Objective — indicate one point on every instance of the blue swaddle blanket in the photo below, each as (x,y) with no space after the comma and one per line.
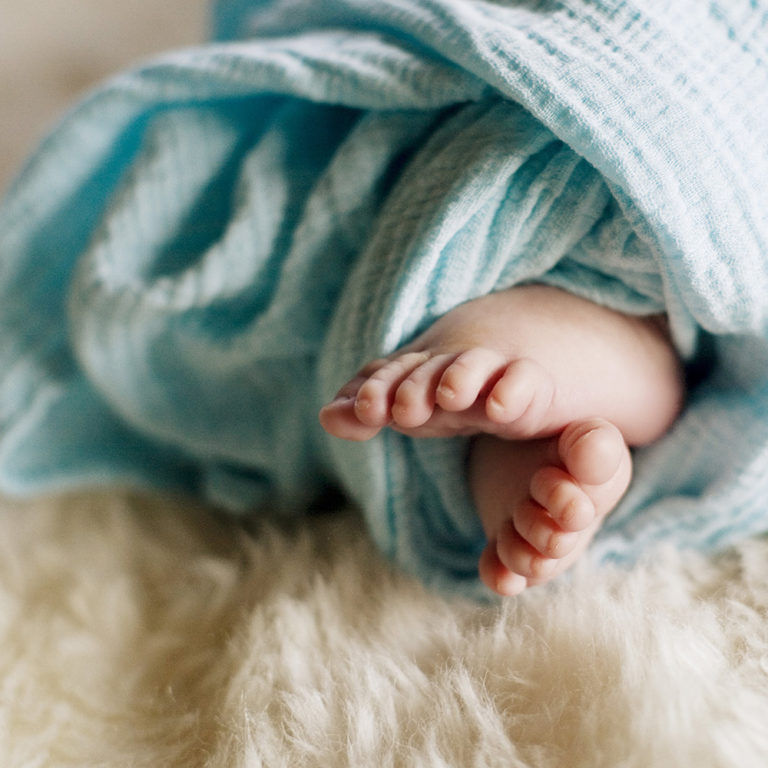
(209,245)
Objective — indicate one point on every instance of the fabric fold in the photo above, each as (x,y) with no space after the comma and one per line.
(208,245)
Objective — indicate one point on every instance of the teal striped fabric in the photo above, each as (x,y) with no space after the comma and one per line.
(208,245)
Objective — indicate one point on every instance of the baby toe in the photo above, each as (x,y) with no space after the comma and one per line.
(565,502)
(535,526)
(522,395)
(467,377)
(520,557)
(592,450)
(338,418)
(496,576)
(375,395)
(414,399)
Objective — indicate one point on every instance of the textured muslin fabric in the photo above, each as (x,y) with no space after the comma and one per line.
(208,245)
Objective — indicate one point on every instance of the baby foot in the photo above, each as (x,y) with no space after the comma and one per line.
(527,370)
(427,393)
(519,364)
(542,501)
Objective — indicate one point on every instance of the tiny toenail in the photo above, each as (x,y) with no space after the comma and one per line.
(446,391)
(496,404)
(554,545)
(559,544)
(573,513)
(570,512)
(399,411)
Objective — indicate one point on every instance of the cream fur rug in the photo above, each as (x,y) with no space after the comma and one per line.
(143,631)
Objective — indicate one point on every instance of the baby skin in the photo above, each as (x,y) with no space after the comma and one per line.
(555,390)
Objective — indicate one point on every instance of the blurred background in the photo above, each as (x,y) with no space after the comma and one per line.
(53,50)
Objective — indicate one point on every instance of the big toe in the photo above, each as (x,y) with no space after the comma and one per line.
(592,450)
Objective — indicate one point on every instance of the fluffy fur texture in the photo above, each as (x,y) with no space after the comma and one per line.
(145,632)
(138,631)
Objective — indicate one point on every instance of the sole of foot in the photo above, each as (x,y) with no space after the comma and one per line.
(542,501)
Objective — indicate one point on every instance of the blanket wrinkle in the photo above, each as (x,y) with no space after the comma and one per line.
(209,243)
